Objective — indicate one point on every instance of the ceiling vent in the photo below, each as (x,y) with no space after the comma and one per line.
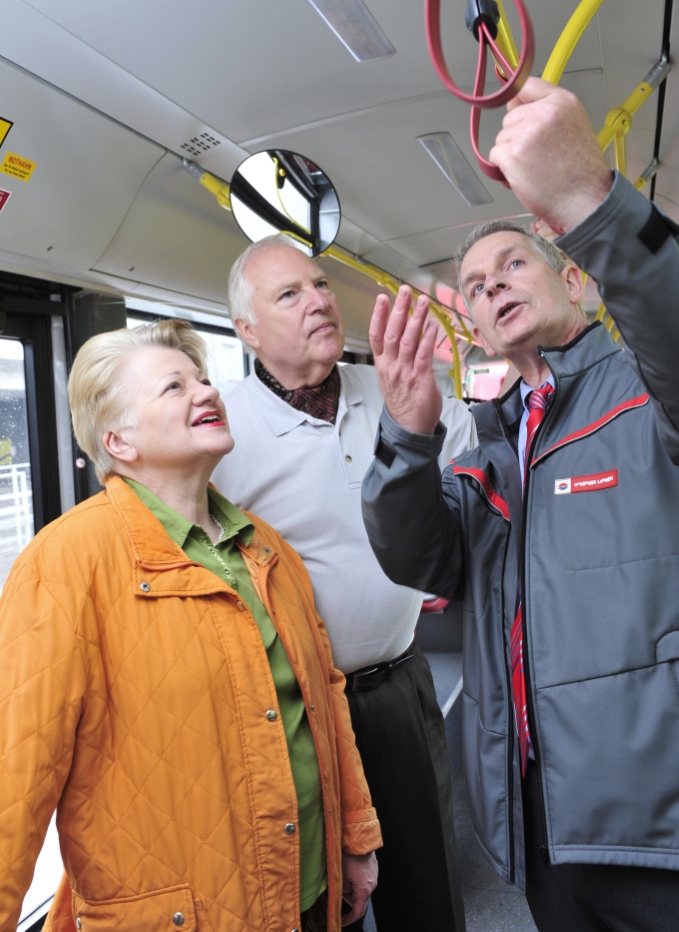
(199,145)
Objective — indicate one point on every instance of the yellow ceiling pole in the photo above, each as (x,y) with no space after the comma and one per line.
(619,121)
(505,41)
(442,314)
(220,189)
(568,39)
(620,154)
(456,372)
(385,280)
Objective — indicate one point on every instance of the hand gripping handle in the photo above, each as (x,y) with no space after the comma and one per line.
(478,100)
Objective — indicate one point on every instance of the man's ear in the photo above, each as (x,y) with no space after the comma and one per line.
(119,447)
(476,333)
(572,275)
(247,333)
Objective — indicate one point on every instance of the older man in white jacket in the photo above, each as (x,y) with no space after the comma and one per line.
(305,430)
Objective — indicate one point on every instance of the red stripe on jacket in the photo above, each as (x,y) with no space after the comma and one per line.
(595,425)
(496,500)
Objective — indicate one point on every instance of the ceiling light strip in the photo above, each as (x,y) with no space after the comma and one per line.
(354,26)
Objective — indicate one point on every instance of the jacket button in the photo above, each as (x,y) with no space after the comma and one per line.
(145,587)
(178,919)
(312,707)
(271,715)
(78,923)
(347,458)
(289,828)
(240,606)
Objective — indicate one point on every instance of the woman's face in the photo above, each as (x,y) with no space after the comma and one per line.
(179,419)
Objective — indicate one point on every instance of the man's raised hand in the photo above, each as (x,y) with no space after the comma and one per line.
(549,154)
(403,347)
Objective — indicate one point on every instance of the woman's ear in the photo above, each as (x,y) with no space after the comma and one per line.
(119,447)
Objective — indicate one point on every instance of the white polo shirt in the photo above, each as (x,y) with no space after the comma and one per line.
(303,475)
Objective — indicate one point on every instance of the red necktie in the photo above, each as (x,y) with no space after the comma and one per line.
(537,406)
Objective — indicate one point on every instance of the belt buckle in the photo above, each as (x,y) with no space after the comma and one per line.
(361,681)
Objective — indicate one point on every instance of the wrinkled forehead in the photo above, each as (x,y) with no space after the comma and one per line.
(145,365)
(492,249)
(279,266)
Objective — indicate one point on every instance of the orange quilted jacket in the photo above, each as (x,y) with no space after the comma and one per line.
(133,691)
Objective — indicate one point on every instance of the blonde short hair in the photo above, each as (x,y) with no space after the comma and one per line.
(99,400)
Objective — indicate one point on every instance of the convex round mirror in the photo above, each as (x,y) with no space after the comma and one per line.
(277,191)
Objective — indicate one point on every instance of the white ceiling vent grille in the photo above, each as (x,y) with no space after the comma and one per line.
(198,145)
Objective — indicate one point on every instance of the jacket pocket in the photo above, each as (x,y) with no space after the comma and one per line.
(667,651)
(167,910)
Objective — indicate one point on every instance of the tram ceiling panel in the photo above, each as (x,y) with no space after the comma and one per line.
(42,47)
(390,187)
(174,236)
(251,67)
(87,172)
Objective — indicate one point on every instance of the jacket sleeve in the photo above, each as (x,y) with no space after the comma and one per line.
(414,530)
(630,249)
(359,825)
(42,688)
(460,426)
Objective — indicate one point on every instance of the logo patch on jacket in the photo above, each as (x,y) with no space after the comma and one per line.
(593,483)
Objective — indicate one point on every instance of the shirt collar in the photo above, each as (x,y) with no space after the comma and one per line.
(526,389)
(235,523)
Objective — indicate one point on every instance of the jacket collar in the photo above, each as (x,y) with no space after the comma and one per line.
(591,346)
(153,547)
(497,421)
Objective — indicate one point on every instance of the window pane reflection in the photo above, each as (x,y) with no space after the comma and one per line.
(16,495)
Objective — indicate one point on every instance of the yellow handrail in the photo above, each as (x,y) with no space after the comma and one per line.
(442,314)
(220,189)
(619,121)
(505,40)
(568,39)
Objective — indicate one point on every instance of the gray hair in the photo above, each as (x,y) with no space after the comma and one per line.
(553,256)
(240,289)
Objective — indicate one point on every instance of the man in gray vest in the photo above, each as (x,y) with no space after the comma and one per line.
(304,431)
(562,526)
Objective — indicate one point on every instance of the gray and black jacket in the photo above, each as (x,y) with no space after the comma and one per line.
(596,539)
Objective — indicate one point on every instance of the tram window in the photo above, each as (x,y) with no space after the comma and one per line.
(227,362)
(16,486)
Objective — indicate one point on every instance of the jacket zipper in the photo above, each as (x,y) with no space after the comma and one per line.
(508,687)
(544,849)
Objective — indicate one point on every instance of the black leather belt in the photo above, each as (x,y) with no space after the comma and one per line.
(370,677)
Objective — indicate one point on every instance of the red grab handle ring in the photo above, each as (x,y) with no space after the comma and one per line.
(479,101)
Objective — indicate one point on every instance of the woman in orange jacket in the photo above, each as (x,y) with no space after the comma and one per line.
(167,685)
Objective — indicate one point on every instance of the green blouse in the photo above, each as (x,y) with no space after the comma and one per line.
(224,559)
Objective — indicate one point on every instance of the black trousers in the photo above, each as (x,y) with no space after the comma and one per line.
(401,739)
(592,897)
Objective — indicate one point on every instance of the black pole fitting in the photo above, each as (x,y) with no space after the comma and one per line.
(482,11)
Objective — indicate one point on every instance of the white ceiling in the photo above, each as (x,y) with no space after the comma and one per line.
(255,74)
